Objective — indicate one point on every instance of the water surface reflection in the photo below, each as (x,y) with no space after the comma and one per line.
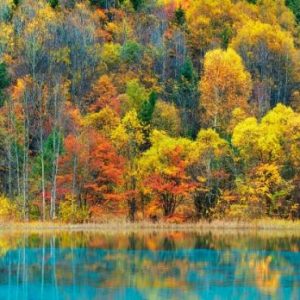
(149,265)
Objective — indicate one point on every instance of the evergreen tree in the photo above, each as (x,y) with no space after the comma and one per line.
(4,81)
(4,77)
(185,95)
(53,3)
(179,16)
(145,117)
(294,5)
(147,109)
(137,4)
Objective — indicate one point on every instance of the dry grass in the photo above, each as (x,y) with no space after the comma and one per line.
(123,225)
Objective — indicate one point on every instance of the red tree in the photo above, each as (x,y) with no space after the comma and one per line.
(91,168)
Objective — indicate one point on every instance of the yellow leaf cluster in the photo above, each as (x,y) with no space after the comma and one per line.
(225,85)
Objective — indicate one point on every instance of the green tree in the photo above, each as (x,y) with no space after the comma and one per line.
(147,109)
(180,16)
(294,5)
(135,97)
(185,95)
(131,52)
(53,3)
(137,4)
(4,81)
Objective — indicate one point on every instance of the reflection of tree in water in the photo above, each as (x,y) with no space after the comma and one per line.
(132,241)
(154,240)
(261,269)
(169,244)
(147,260)
(204,241)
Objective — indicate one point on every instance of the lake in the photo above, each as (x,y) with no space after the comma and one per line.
(149,265)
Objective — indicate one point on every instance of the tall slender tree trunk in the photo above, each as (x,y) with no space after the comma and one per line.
(56,150)
(25,160)
(9,153)
(41,125)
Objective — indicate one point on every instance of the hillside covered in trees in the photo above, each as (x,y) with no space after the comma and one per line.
(149,109)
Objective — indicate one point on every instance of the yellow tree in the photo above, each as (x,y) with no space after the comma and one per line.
(269,152)
(128,137)
(105,121)
(225,85)
(276,13)
(263,191)
(210,24)
(269,55)
(271,140)
(206,166)
(166,117)
(164,170)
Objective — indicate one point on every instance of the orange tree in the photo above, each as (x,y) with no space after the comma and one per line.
(91,169)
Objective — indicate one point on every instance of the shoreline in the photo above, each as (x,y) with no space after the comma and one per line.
(121,225)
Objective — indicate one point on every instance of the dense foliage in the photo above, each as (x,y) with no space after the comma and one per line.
(149,109)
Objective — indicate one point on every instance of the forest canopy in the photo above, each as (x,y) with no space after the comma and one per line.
(153,110)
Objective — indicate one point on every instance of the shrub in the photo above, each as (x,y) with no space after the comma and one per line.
(8,209)
(71,212)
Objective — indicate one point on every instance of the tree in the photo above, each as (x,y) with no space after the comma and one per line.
(128,138)
(209,22)
(294,5)
(180,16)
(264,192)
(186,96)
(53,3)
(4,80)
(267,151)
(269,55)
(137,4)
(111,54)
(6,10)
(131,52)
(4,77)
(101,107)
(6,40)
(265,142)
(136,95)
(166,117)
(225,85)
(103,94)
(276,13)
(147,109)
(105,121)
(207,167)
(91,169)
(105,3)
(164,168)
(145,117)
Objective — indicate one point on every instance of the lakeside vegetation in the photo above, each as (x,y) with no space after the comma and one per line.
(273,226)
(151,111)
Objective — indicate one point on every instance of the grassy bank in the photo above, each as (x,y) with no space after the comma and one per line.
(122,225)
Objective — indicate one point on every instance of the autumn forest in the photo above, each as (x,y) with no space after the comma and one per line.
(157,110)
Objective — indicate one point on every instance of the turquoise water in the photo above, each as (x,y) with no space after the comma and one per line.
(149,266)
